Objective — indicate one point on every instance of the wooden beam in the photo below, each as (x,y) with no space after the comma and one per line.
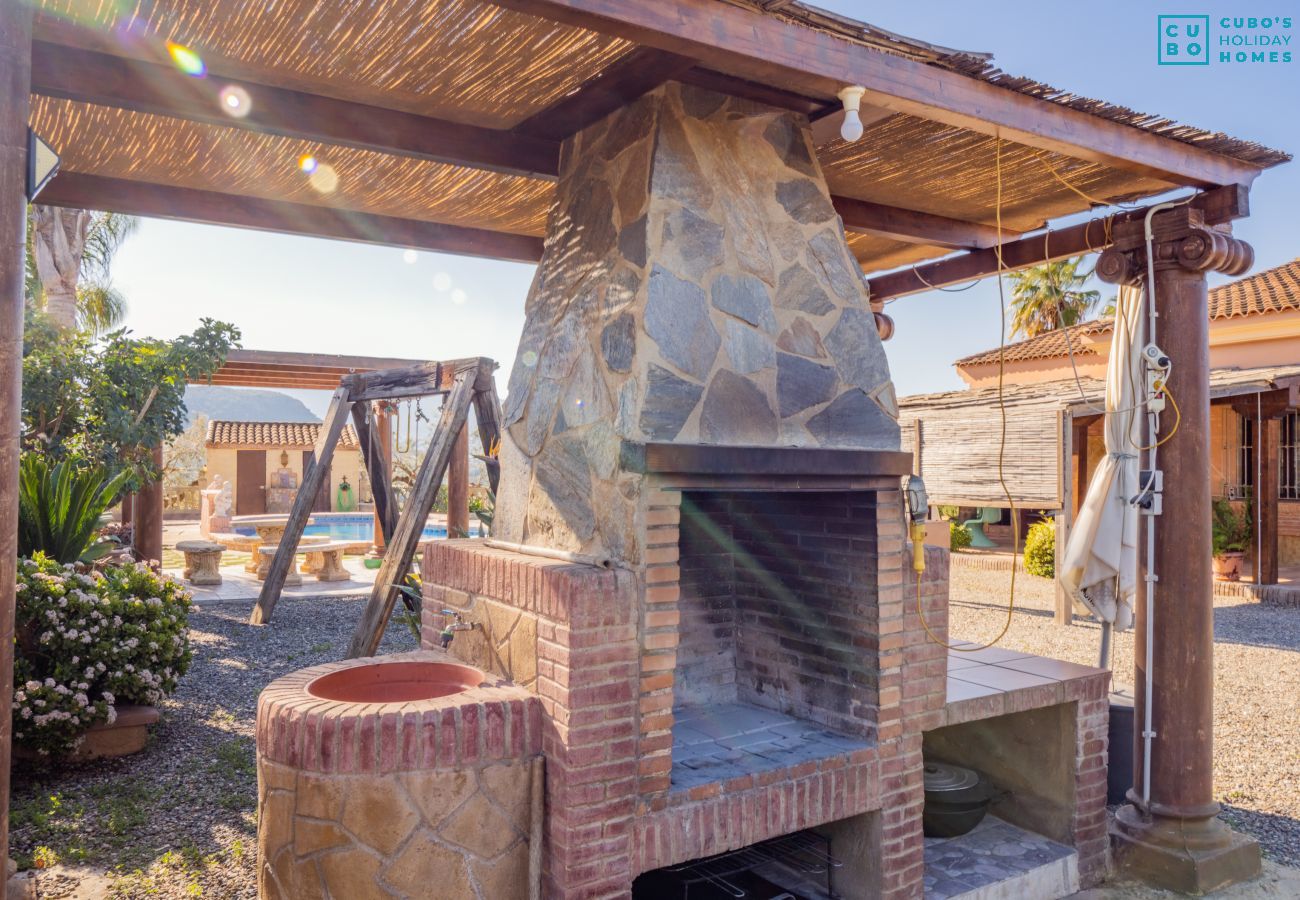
(91,77)
(812,107)
(312,481)
(141,198)
(770,50)
(617,85)
(375,457)
(410,525)
(15,69)
(1219,205)
(913,227)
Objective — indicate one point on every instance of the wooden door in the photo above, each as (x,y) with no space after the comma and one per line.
(250,482)
(322,503)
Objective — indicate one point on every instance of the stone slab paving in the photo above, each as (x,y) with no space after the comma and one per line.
(238,585)
(996,860)
(726,740)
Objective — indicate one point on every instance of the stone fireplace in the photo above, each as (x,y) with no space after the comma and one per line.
(701,426)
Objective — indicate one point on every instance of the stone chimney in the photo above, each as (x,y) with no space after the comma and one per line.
(696,288)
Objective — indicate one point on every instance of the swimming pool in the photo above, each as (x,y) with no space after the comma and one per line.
(345,527)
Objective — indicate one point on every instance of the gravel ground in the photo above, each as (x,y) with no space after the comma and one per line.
(1256,690)
(178,819)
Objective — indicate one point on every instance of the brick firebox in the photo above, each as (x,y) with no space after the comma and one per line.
(604,649)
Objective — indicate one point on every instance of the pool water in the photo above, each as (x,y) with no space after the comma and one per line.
(342,527)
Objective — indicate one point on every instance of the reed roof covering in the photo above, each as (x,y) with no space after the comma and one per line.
(474,63)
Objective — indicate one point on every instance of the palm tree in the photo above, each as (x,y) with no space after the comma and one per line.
(69,254)
(1047,297)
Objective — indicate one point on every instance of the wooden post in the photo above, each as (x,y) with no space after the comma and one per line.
(377,456)
(1174,838)
(401,550)
(1268,431)
(458,486)
(128,508)
(487,413)
(15,87)
(326,440)
(1064,614)
(147,538)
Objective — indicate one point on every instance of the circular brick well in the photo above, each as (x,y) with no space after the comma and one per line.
(382,777)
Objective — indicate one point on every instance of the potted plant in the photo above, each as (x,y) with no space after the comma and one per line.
(1230,536)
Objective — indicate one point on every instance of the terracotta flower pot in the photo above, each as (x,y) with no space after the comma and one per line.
(1227,566)
(128,734)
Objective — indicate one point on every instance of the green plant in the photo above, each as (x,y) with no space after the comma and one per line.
(484,508)
(1040,549)
(59,508)
(949,512)
(1230,531)
(85,641)
(110,401)
(959,536)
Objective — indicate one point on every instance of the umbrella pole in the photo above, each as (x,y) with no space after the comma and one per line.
(1103,660)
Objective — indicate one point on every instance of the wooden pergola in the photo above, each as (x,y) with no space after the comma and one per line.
(440,126)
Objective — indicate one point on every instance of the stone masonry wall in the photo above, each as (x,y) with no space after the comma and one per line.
(696,287)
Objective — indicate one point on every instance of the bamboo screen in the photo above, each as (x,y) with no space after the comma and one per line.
(122,144)
(454,59)
(928,166)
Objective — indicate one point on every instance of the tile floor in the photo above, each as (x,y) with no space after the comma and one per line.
(238,585)
(994,670)
(726,740)
(971,865)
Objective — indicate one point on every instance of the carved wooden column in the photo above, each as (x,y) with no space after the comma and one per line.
(15,86)
(1176,840)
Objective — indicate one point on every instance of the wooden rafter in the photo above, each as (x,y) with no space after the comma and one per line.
(914,227)
(1219,206)
(139,198)
(107,80)
(638,73)
(767,49)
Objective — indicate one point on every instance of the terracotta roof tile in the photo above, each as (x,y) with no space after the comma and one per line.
(272,434)
(1273,290)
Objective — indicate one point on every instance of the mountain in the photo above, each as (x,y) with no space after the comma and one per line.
(244,405)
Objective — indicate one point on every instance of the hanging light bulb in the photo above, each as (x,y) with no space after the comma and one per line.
(851,97)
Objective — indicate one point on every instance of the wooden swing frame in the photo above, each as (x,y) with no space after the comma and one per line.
(464,383)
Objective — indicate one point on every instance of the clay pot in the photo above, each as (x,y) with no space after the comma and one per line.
(128,734)
(1227,566)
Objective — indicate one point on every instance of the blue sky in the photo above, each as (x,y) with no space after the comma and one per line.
(289,293)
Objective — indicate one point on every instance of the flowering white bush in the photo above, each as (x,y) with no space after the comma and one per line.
(88,640)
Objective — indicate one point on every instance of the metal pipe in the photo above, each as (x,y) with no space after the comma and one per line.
(603,562)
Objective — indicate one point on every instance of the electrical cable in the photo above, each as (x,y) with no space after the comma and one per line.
(1002,447)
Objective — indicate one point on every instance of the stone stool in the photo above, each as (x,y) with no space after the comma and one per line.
(202,561)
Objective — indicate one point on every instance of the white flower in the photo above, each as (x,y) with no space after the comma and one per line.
(19,696)
(49,682)
(33,685)
(108,698)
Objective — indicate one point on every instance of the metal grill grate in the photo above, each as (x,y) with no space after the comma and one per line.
(805,853)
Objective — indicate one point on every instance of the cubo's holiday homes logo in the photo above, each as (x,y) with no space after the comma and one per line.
(1184,40)
(1195,40)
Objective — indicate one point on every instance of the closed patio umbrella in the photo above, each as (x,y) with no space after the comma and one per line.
(1100,565)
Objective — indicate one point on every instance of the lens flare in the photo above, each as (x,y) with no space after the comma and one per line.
(307,163)
(442,282)
(235,101)
(459,297)
(409,257)
(186,60)
(324,180)
(529,358)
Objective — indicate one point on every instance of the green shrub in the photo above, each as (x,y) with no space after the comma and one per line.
(950,512)
(1040,549)
(59,508)
(1229,530)
(958,536)
(86,641)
